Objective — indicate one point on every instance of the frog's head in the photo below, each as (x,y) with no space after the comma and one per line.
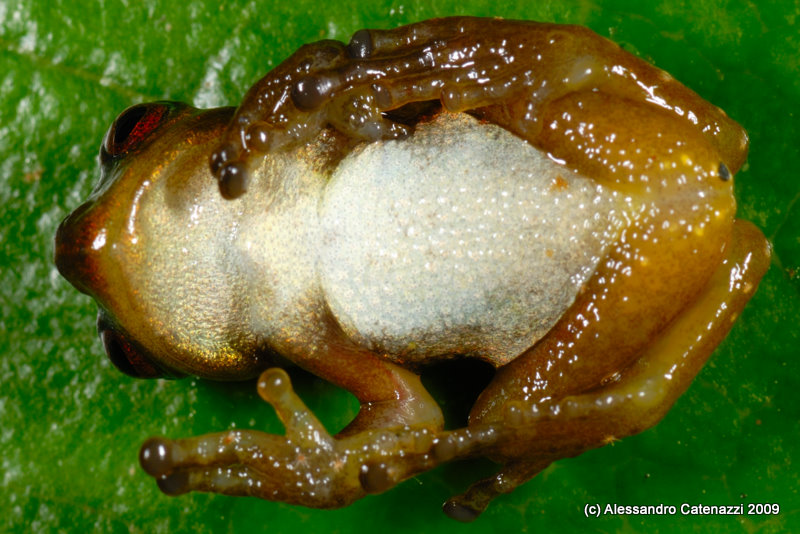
(149,245)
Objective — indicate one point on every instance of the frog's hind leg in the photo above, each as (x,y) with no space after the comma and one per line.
(502,70)
(628,403)
(469,505)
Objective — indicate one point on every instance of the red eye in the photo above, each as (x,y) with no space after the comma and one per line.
(128,356)
(133,126)
(125,358)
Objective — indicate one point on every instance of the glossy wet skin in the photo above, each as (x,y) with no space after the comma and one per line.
(117,255)
(191,283)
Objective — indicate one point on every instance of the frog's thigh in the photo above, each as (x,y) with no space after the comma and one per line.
(654,270)
(534,436)
(646,390)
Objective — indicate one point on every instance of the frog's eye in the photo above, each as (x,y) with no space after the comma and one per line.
(124,358)
(128,356)
(133,126)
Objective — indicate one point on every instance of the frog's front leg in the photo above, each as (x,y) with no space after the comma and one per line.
(388,441)
(389,395)
(628,403)
(307,466)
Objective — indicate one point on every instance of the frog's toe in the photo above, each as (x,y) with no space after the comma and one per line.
(234,179)
(378,477)
(470,504)
(460,511)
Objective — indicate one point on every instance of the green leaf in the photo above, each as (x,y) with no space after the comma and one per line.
(71,425)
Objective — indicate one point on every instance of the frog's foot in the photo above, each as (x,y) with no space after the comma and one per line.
(307,466)
(352,87)
(505,71)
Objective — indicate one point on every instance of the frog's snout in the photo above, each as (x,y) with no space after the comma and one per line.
(79,248)
(73,248)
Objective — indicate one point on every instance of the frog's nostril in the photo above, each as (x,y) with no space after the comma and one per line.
(724,173)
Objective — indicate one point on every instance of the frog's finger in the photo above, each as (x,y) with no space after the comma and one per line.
(325,474)
(160,457)
(260,465)
(252,463)
(301,425)
(306,466)
(238,480)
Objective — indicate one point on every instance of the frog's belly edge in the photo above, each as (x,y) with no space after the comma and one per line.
(462,239)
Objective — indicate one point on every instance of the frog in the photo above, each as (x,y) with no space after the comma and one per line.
(525,194)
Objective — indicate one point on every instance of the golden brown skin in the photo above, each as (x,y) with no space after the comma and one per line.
(161,252)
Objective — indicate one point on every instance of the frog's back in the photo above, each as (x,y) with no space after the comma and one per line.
(461,239)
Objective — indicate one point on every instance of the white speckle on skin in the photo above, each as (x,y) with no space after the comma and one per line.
(410,254)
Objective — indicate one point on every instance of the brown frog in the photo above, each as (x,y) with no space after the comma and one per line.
(525,194)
